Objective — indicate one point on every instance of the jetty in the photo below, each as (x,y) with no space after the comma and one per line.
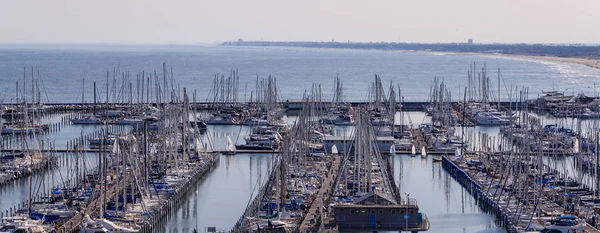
(315,218)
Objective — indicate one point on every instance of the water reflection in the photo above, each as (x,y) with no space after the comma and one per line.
(449,207)
(223,196)
(15,192)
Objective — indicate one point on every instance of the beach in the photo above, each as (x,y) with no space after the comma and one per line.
(593,63)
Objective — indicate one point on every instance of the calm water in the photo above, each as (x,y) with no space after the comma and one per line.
(223,196)
(449,207)
(63,69)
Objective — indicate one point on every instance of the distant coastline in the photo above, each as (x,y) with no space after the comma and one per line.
(588,55)
(590,62)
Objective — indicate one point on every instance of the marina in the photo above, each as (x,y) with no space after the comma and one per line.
(149,153)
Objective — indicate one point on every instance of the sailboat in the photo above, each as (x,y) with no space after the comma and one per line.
(103,225)
(229,147)
(458,152)
(423,153)
(576,146)
(413,151)
(21,224)
(334,150)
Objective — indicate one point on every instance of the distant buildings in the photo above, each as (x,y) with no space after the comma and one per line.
(470,41)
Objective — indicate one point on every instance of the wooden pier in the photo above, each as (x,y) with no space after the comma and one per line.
(74,223)
(310,221)
(289,104)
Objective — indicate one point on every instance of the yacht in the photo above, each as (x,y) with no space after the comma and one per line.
(341,120)
(262,138)
(492,118)
(20,224)
(129,121)
(222,120)
(49,215)
(20,130)
(103,225)
(255,122)
(86,120)
(565,224)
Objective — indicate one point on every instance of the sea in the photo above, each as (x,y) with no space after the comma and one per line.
(67,74)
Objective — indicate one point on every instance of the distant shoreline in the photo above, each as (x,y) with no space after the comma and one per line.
(592,63)
(588,55)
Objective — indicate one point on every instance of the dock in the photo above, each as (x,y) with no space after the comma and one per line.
(310,222)
(591,229)
(495,203)
(461,119)
(74,223)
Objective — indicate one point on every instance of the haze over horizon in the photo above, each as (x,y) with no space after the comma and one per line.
(196,22)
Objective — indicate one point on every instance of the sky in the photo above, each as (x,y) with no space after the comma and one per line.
(210,21)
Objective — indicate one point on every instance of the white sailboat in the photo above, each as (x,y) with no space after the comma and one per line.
(104,225)
(576,146)
(334,150)
(423,153)
(229,147)
(414,150)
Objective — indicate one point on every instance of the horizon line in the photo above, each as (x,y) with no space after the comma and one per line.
(275,41)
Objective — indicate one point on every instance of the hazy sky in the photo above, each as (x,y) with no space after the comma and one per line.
(175,21)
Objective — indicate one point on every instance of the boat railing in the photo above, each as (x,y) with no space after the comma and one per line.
(408,201)
(421,225)
(424,221)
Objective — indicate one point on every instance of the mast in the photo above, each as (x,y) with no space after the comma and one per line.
(101,166)
(32,87)
(597,162)
(498,89)
(94,108)
(107,74)
(83,92)
(146,150)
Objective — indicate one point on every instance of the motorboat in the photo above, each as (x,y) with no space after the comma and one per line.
(492,118)
(86,120)
(255,122)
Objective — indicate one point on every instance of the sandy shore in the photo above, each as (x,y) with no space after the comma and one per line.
(593,63)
